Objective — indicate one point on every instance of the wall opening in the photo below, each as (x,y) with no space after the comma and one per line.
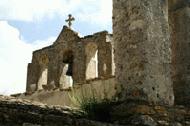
(66,78)
(91,52)
(43,71)
(43,79)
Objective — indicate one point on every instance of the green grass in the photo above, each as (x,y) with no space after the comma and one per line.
(92,107)
(97,110)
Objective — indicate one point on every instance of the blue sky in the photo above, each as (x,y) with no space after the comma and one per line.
(27,25)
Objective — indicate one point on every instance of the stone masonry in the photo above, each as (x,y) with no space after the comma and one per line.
(71,60)
(151,51)
(179,13)
(142,51)
(151,48)
(17,112)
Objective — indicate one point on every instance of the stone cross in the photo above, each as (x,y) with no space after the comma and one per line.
(69,20)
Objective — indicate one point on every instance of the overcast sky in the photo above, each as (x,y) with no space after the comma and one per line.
(27,25)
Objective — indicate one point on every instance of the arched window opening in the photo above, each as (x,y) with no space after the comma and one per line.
(43,79)
(66,79)
(91,52)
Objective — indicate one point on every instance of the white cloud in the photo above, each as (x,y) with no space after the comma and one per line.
(102,14)
(14,56)
(94,11)
(30,10)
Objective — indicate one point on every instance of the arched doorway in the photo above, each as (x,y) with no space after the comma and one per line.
(91,52)
(66,77)
(43,78)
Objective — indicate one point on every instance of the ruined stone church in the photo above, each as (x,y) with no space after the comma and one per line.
(149,82)
(150,47)
(71,60)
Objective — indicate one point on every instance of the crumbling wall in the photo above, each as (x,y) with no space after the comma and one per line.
(104,53)
(67,54)
(38,70)
(46,69)
(100,89)
(17,112)
(32,74)
(70,60)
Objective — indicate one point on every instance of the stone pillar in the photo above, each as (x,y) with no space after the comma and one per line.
(79,64)
(142,51)
(180,36)
(104,56)
(32,77)
(105,61)
(53,69)
(53,74)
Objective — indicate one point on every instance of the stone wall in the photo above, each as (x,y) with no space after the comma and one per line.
(17,112)
(142,51)
(140,114)
(148,66)
(104,53)
(69,60)
(180,35)
(95,88)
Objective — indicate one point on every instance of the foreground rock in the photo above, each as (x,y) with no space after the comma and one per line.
(142,114)
(17,112)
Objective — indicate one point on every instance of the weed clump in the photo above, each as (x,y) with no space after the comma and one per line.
(99,110)
(92,107)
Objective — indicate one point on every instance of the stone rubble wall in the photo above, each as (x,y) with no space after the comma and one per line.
(46,69)
(144,55)
(17,112)
(103,88)
(141,114)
